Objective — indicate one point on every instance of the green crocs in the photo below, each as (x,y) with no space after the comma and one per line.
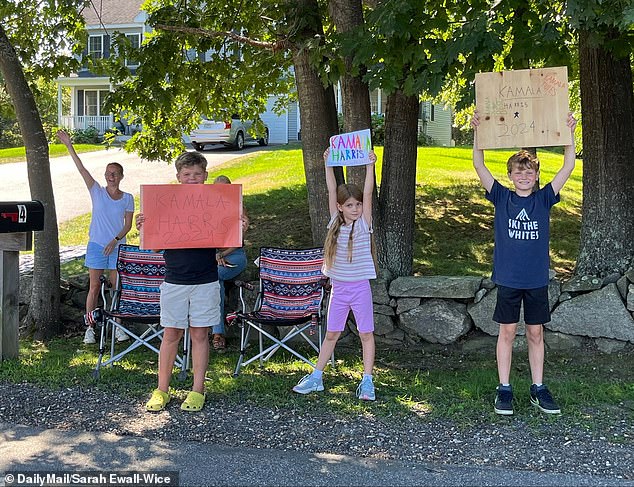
(193,402)
(158,401)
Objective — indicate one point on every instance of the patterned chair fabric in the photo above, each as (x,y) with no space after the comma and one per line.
(141,272)
(290,299)
(291,282)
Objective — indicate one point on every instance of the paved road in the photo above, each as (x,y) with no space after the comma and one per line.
(27,449)
(71,196)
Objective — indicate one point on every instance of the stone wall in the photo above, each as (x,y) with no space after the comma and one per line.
(415,311)
(449,310)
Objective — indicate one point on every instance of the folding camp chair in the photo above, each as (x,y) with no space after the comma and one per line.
(135,299)
(290,299)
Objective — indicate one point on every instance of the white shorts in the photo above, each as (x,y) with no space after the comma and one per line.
(196,305)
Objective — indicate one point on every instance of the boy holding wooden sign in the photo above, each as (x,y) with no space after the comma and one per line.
(190,297)
(521,261)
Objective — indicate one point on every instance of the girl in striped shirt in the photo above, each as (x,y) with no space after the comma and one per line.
(349,263)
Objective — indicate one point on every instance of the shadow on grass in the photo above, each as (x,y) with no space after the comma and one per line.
(454,233)
(435,384)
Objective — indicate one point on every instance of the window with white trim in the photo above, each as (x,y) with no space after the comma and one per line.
(93,102)
(95,47)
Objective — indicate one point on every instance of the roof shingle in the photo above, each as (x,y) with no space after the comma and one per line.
(111,11)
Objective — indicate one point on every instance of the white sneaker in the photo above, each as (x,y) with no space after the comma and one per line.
(309,384)
(89,336)
(121,336)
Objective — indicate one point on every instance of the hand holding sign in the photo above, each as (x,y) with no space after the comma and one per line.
(350,149)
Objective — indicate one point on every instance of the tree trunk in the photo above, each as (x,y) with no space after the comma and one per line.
(347,15)
(42,320)
(398,185)
(319,122)
(607,107)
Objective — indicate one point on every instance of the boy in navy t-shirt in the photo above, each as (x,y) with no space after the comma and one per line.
(521,262)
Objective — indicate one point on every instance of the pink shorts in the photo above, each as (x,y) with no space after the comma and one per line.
(351,296)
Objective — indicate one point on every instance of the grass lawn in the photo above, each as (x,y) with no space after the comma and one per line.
(18,154)
(454,236)
(454,222)
(431,383)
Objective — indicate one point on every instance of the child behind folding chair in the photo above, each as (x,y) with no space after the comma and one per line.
(350,272)
(190,297)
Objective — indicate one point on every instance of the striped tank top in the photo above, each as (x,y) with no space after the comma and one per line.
(362,265)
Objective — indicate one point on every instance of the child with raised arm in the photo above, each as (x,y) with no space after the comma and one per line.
(521,262)
(349,262)
(190,297)
(110,222)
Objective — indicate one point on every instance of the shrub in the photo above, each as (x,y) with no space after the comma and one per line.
(462,136)
(378,129)
(9,134)
(85,136)
(425,140)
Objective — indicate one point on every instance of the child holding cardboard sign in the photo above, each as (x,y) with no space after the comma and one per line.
(190,297)
(349,263)
(521,262)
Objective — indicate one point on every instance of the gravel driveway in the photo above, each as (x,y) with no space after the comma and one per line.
(555,445)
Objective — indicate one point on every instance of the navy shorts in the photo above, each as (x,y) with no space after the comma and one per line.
(536,306)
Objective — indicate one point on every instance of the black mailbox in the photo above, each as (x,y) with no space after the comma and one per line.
(21,216)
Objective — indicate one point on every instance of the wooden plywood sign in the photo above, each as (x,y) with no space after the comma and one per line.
(191,216)
(523,108)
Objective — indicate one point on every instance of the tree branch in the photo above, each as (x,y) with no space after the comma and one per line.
(276,46)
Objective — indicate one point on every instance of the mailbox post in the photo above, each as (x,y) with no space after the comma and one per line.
(18,220)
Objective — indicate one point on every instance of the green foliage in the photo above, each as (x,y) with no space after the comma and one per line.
(44,35)
(185,74)
(89,135)
(9,133)
(424,140)
(378,129)
(462,136)
(110,136)
(610,22)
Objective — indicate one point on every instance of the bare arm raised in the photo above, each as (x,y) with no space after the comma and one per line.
(65,139)
(569,159)
(331,184)
(486,178)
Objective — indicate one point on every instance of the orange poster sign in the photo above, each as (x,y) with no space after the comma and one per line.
(181,216)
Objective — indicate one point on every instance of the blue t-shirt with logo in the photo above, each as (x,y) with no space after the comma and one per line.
(522,234)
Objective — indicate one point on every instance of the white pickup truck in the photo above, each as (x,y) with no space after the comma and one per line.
(234,133)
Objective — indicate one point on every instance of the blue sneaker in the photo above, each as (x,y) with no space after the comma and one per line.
(504,400)
(542,399)
(365,391)
(308,384)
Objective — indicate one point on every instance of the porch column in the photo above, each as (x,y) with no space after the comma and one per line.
(59,105)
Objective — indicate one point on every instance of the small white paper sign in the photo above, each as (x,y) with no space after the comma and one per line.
(350,149)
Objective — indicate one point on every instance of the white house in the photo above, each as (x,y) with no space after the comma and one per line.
(88,91)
